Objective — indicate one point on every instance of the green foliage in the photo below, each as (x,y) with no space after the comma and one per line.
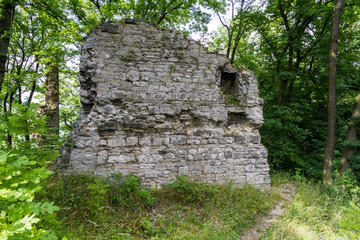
(174,14)
(192,192)
(23,121)
(313,213)
(25,128)
(231,100)
(235,199)
(350,180)
(69,101)
(125,211)
(22,173)
(274,43)
(98,193)
(20,180)
(288,134)
(129,193)
(351,221)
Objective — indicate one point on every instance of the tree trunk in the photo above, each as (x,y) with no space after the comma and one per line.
(9,136)
(283,84)
(7,9)
(236,43)
(52,99)
(330,142)
(351,136)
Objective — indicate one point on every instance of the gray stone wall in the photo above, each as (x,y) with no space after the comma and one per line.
(157,104)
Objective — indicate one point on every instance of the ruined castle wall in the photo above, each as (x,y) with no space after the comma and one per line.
(157,104)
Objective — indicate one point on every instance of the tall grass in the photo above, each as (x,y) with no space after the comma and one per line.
(314,213)
(95,208)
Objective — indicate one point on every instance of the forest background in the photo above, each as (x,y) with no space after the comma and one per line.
(285,42)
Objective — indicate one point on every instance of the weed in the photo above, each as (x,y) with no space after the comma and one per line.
(97,208)
(98,194)
(313,213)
(127,58)
(351,221)
(180,54)
(192,192)
(165,38)
(231,100)
(172,68)
(128,193)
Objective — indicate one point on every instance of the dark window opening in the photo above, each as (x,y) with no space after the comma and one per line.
(87,107)
(227,83)
(236,118)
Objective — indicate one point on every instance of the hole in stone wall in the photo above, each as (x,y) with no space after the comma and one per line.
(236,118)
(87,107)
(227,83)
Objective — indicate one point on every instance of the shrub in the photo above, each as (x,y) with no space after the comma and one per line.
(20,179)
(98,195)
(192,192)
(351,221)
(129,193)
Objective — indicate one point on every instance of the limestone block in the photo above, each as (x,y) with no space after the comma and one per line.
(102,157)
(157,141)
(131,141)
(250,168)
(183,170)
(145,141)
(150,174)
(117,142)
(117,159)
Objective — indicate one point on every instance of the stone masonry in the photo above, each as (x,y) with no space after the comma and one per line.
(157,104)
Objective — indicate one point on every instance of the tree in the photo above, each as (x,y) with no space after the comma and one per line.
(42,36)
(351,138)
(236,26)
(288,52)
(52,98)
(7,8)
(171,14)
(290,31)
(42,26)
(330,139)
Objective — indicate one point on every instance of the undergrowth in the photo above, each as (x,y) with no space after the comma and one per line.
(97,208)
(118,208)
(316,212)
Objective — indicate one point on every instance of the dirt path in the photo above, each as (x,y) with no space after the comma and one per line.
(287,192)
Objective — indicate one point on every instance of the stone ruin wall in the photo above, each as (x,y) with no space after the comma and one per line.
(157,104)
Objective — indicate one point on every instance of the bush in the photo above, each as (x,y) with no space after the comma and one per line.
(351,221)
(20,179)
(129,193)
(192,192)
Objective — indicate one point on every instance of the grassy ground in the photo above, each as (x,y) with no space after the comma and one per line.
(94,208)
(316,212)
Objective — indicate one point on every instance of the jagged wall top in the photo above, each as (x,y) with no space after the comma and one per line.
(157,104)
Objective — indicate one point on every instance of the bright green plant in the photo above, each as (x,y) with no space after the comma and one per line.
(25,128)
(230,99)
(351,221)
(20,179)
(129,193)
(98,193)
(192,192)
(350,179)
(313,213)
(127,211)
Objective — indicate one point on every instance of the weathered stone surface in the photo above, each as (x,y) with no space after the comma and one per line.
(156,104)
